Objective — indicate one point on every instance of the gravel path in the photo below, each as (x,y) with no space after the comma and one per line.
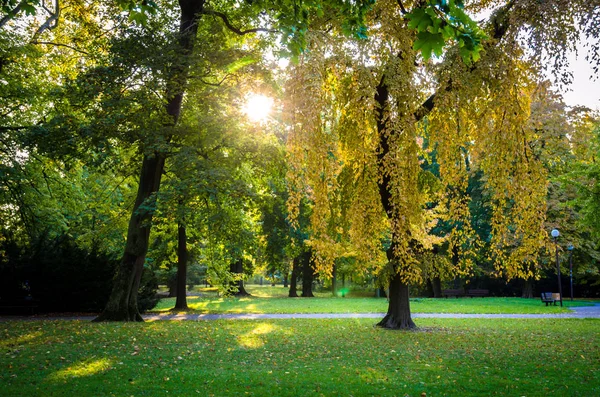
(577,312)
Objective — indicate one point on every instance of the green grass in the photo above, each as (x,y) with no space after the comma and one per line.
(482,357)
(275,300)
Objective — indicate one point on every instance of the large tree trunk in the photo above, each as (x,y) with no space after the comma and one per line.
(307,275)
(398,315)
(122,303)
(294,278)
(182,257)
(238,268)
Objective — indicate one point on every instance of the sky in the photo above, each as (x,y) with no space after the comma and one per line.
(584,90)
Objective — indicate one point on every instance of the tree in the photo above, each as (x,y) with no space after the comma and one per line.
(482,106)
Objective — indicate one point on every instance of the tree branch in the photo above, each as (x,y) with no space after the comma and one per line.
(12,13)
(499,23)
(215,84)
(232,28)
(60,45)
(404,12)
(51,22)
(16,128)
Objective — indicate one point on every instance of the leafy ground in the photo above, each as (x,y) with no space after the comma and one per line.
(301,358)
(275,300)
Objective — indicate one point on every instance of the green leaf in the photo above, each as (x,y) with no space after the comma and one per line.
(429,42)
(240,63)
(419,20)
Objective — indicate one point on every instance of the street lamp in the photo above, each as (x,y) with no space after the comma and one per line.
(570,248)
(555,233)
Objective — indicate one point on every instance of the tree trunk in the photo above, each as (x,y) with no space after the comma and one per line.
(182,255)
(173,287)
(294,279)
(122,303)
(286,279)
(437,287)
(307,275)
(429,287)
(238,268)
(398,315)
(527,289)
(333,280)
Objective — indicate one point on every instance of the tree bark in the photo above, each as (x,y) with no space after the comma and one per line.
(398,314)
(173,287)
(527,289)
(182,257)
(122,303)
(294,278)
(286,279)
(429,287)
(437,287)
(333,280)
(307,275)
(238,268)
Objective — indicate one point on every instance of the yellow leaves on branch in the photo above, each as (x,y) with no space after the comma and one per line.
(489,113)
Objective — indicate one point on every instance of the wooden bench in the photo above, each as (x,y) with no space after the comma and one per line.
(550,297)
(453,292)
(478,292)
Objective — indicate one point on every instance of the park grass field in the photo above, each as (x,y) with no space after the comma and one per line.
(274,300)
(349,357)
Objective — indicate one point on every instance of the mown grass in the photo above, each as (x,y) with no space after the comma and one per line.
(447,357)
(275,300)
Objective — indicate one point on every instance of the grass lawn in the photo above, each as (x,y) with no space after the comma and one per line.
(274,300)
(447,357)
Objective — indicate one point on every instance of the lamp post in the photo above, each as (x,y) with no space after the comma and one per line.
(570,248)
(555,233)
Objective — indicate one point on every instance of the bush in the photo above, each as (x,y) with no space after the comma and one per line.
(147,297)
(65,277)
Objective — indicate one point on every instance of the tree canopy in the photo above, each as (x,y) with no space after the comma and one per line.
(410,142)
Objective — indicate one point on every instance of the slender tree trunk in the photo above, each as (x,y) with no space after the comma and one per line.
(122,303)
(182,257)
(173,287)
(437,287)
(286,279)
(398,315)
(238,268)
(429,287)
(333,280)
(294,278)
(527,289)
(307,275)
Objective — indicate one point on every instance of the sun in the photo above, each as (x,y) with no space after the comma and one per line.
(258,107)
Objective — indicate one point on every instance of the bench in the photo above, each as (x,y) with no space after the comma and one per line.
(550,297)
(18,306)
(453,292)
(478,292)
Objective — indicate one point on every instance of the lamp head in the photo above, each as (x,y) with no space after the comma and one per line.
(555,233)
(570,247)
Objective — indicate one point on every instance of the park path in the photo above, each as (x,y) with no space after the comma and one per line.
(577,312)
